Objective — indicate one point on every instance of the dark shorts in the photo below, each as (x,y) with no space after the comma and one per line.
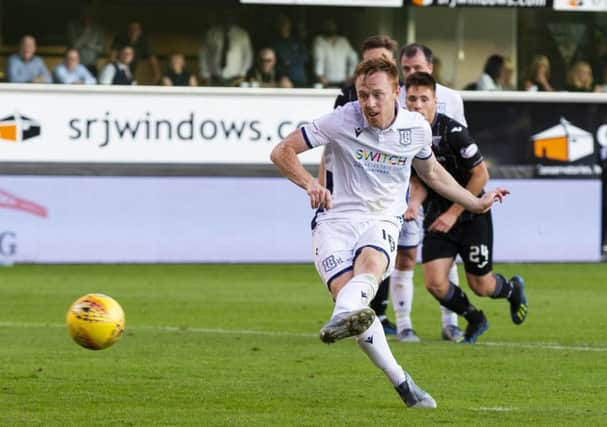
(472,240)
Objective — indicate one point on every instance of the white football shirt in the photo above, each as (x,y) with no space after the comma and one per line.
(370,167)
(448,102)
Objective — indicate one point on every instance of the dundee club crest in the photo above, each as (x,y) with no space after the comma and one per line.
(405,136)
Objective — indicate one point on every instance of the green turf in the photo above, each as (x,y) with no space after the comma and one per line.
(238,345)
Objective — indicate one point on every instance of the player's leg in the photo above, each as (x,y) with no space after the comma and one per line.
(351,314)
(450,330)
(478,260)
(380,240)
(439,251)
(334,259)
(352,285)
(401,287)
(379,304)
(373,342)
(401,280)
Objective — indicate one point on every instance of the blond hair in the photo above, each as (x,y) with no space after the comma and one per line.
(536,62)
(573,78)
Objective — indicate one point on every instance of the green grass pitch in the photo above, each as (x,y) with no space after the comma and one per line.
(237,345)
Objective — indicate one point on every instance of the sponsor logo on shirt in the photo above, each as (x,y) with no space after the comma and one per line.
(469,151)
(379,157)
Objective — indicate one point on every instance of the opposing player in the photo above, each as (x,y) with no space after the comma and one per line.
(450,229)
(374,142)
(416,57)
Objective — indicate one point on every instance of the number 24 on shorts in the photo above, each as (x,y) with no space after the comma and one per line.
(479,255)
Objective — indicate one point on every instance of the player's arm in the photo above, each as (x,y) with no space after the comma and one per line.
(417,195)
(470,157)
(436,177)
(479,176)
(284,156)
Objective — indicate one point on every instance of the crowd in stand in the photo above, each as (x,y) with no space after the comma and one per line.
(226,58)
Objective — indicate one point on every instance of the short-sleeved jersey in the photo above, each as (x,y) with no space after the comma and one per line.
(455,149)
(370,168)
(448,102)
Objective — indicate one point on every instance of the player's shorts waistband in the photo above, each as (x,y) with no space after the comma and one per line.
(396,220)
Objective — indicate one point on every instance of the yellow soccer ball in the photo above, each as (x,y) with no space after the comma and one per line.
(95,321)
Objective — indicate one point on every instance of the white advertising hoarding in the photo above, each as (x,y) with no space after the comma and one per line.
(58,123)
(227,219)
(581,5)
(349,3)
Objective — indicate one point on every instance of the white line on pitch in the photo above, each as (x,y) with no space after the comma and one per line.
(492,409)
(533,346)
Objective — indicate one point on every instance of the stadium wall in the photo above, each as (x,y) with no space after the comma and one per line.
(194,182)
(55,219)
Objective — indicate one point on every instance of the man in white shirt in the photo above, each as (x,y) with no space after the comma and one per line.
(119,72)
(413,58)
(374,142)
(226,54)
(334,57)
(71,71)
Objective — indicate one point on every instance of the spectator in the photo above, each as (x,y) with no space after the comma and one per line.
(88,39)
(291,54)
(334,57)
(492,76)
(226,54)
(71,71)
(507,74)
(538,75)
(264,73)
(135,38)
(119,72)
(177,75)
(24,66)
(579,78)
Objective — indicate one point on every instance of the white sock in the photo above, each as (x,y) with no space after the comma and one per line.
(448,317)
(356,294)
(401,288)
(373,342)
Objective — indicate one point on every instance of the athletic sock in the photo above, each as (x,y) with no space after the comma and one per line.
(355,294)
(503,288)
(401,288)
(373,342)
(379,304)
(449,317)
(457,301)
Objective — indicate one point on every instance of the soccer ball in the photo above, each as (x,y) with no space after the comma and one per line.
(95,321)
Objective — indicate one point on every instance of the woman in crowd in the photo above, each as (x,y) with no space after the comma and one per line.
(538,75)
(579,78)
